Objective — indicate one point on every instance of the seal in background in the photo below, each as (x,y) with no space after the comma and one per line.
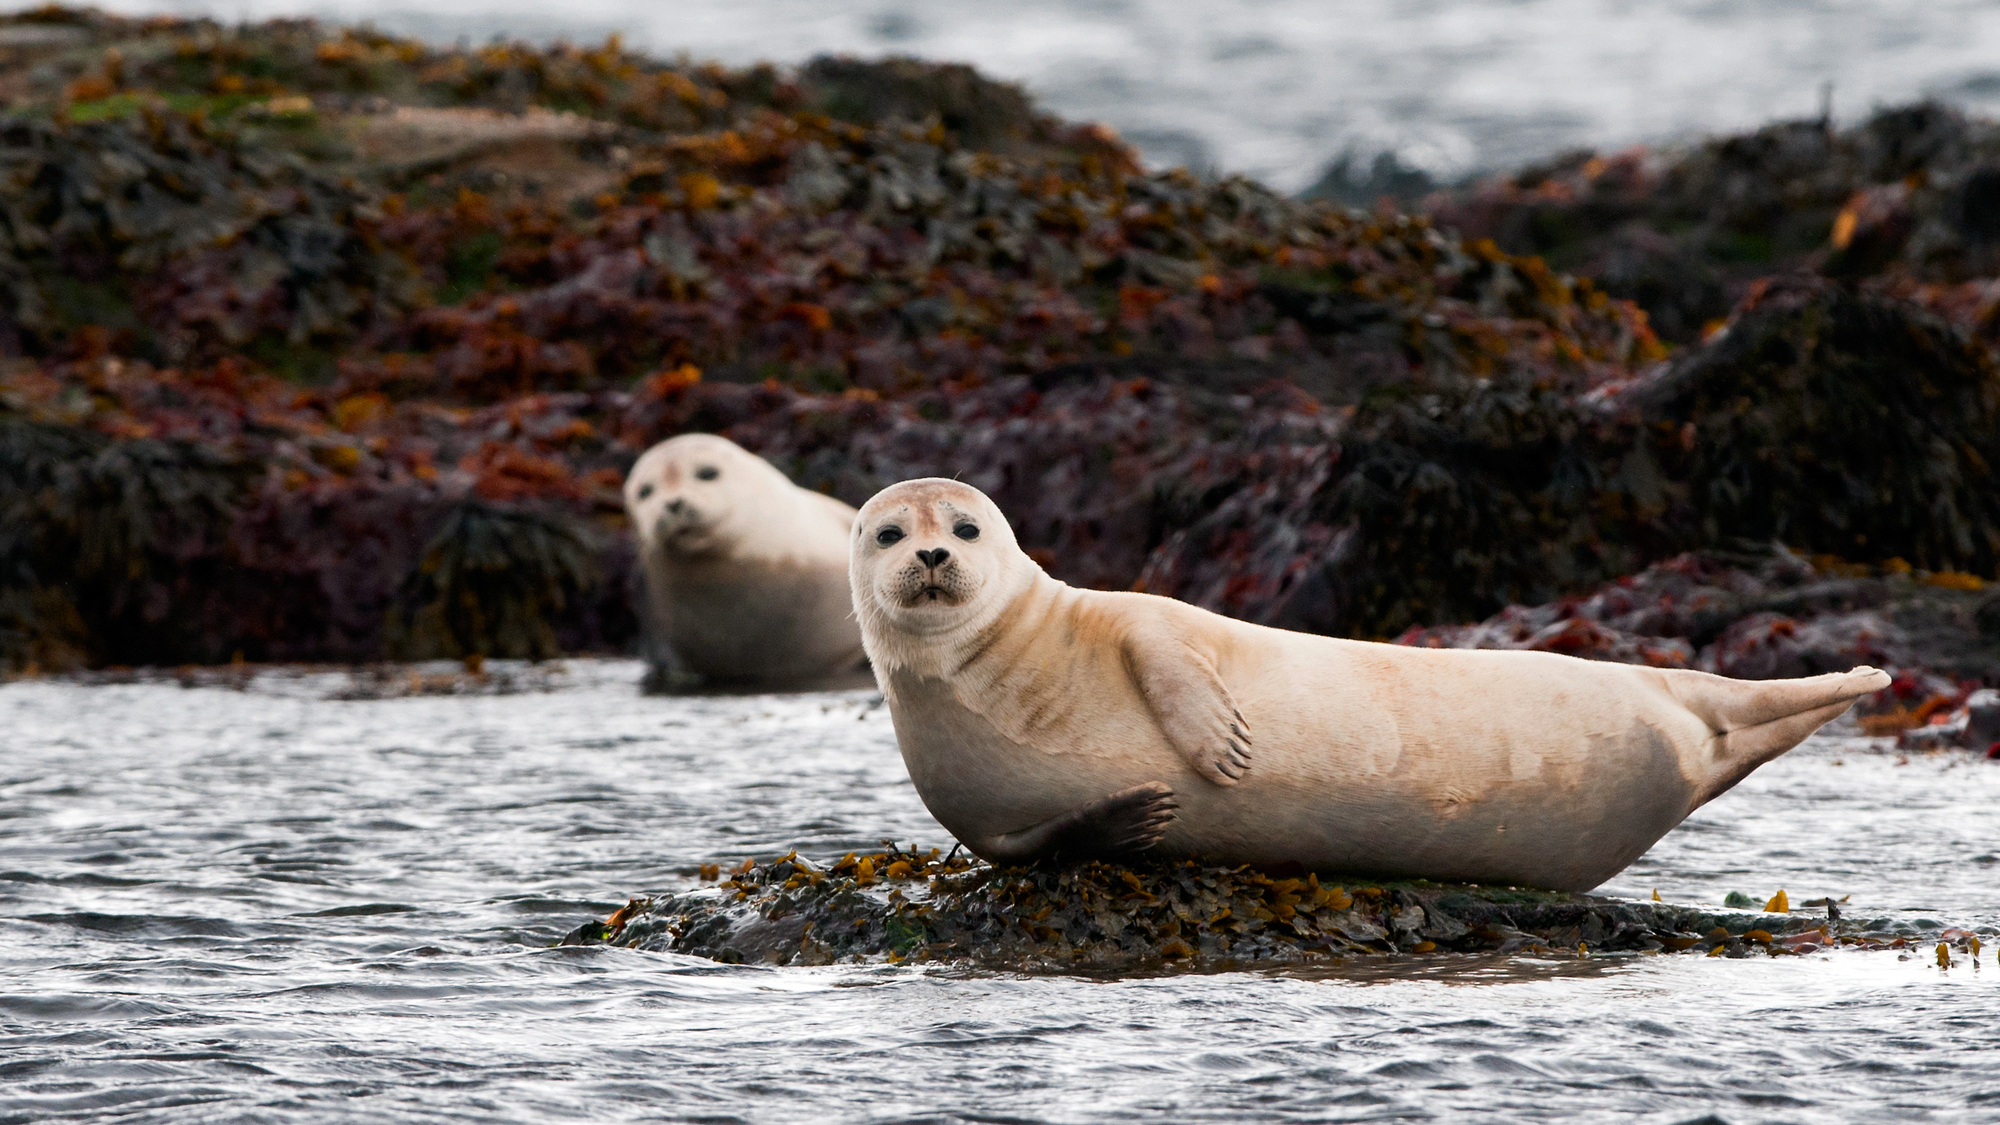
(745,573)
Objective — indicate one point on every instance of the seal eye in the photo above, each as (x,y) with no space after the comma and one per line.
(707,472)
(645,490)
(889,536)
(966,531)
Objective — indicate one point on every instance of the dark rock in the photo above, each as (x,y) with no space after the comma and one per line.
(590,933)
(1752,615)
(1106,917)
(492,582)
(1385,177)
(1837,423)
(1987,617)
(975,110)
(397,406)
(1983,719)
(1902,194)
(1681,291)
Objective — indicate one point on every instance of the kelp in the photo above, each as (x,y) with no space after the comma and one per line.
(917,907)
(489,583)
(1840,423)
(107,546)
(171,551)
(160,238)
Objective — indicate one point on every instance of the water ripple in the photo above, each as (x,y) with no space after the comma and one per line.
(269,905)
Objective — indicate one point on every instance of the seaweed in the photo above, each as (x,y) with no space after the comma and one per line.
(1898,202)
(1839,423)
(1761,611)
(907,906)
(491,582)
(109,547)
(383,281)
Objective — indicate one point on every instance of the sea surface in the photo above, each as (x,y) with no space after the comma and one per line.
(251,899)
(1278,89)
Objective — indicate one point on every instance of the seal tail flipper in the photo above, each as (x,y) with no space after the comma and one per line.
(1765,741)
(1756,720)
(1737,705)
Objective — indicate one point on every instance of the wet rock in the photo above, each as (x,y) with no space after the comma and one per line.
(1098,917)
(1983,718)
(1384,178)
(1987,618)
(1280,410)
(590,933)
(975,110)
(1837,423)
(1680,289)
(110,548)
(1900,194)
(492,582)
(1761,614)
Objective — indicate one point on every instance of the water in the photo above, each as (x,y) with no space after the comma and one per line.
(268,904)
(1278,88)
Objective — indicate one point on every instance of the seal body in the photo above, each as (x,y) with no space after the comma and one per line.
(1037,719)
(745,573)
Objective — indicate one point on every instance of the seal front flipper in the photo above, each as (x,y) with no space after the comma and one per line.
(1191,704)
(1129,820)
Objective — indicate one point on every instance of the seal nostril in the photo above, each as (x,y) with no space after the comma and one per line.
(934,557)
(675,506)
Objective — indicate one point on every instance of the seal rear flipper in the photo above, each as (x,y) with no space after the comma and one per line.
(1191,703)
(1129,820)
(1728,705)
(1757,720)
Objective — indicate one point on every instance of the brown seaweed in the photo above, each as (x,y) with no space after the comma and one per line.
(383,281)
(918,907)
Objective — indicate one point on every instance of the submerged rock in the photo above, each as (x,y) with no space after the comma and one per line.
(908,906)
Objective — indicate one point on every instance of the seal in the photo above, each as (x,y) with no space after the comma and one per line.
(745,572)
(1040,721)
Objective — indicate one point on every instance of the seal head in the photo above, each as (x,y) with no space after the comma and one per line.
(745,572)
(933,564)
(697,495)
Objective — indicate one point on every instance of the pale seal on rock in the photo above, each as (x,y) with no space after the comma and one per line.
(1039,720)
(745,572)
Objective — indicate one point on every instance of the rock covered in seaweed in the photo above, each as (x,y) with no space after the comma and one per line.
(1837,422)
(1280,410)
(1767,614)
(1903,200)
(1685,231)
(371,357)
(916,907)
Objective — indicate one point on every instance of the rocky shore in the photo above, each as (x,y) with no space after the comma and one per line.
(906,906)
(320,344)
